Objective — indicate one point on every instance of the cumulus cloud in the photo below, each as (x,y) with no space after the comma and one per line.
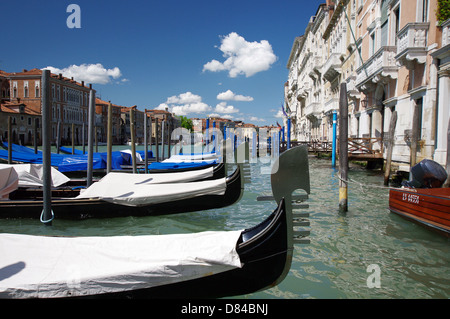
(230,96)
(256,119)
(90,73)
(242,57)
(279,114)
(184,104)
(223,108)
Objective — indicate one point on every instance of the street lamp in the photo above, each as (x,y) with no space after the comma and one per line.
(364,102)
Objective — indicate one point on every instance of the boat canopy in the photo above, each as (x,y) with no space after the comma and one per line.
(32,175)
(146,189)
(195,157)
(53,267)
(9,181)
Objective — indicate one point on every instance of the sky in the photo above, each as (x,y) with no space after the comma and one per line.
(198,58)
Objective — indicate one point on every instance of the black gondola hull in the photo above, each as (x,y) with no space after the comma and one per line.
(265,257)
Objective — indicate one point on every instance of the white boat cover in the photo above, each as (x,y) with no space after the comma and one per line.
(31,175)
(54,267)
(187,158)
(142,190)
(9,181)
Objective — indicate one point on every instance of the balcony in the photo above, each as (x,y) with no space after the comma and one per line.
(412,44)
(313,110)
(379,68)
(332,68)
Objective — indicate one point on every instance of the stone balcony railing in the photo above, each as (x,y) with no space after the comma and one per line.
(313,109)
(380,67)
(332,67)
(412,44)
(446,33)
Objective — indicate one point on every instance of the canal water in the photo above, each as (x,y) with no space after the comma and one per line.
(366,252)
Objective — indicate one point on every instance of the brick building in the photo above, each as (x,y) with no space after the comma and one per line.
(70,101)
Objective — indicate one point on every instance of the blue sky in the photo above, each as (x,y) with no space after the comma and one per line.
(196,57)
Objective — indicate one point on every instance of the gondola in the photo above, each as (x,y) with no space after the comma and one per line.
(200,265)
(180,197)
(423,200)
(73,186)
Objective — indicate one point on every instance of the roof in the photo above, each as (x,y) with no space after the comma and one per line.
(14,108)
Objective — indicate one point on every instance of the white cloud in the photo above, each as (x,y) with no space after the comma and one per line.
(230,96)
(242,57)
(280,114)
(256,119)
(89,73)
(184,104)
(223,108)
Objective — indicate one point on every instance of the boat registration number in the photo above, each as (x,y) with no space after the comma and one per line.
(411,198)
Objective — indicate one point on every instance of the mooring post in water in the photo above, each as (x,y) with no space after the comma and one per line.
(58,136)
(157,138)
(109,140)
(343,148)
(163,123)
(133,142)
(145,142)
(207,135)
(47,214)
(83,139)
(288,146)
(414,137)
(447,182)
(333,152)
(91,128)
(387,169)
(9,140)
(73,138)
(35,139)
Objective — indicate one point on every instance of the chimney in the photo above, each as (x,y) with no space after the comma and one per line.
(82,83)
(24,70)
(60,76)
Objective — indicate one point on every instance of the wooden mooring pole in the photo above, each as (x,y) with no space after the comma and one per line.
(343,148)
(447,182)
(109,140)
(47,214)
(387,168)
(133,141)
(91,130)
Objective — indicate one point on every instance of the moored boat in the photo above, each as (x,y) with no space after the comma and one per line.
(121,195)
(429,207)
(422,199)
(199,265)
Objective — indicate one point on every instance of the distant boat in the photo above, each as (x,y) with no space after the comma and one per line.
(427,206)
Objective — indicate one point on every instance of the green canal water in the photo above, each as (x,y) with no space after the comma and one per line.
(366,252)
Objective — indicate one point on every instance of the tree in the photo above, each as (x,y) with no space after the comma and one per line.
(443,11)
(186,123)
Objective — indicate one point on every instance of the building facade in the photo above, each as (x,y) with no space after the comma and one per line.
(392,55)
(69,102)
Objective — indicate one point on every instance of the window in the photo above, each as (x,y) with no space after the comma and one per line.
(424,10)
(37,89)
(396,22)
(25,89)
(372,43)
(14,89)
